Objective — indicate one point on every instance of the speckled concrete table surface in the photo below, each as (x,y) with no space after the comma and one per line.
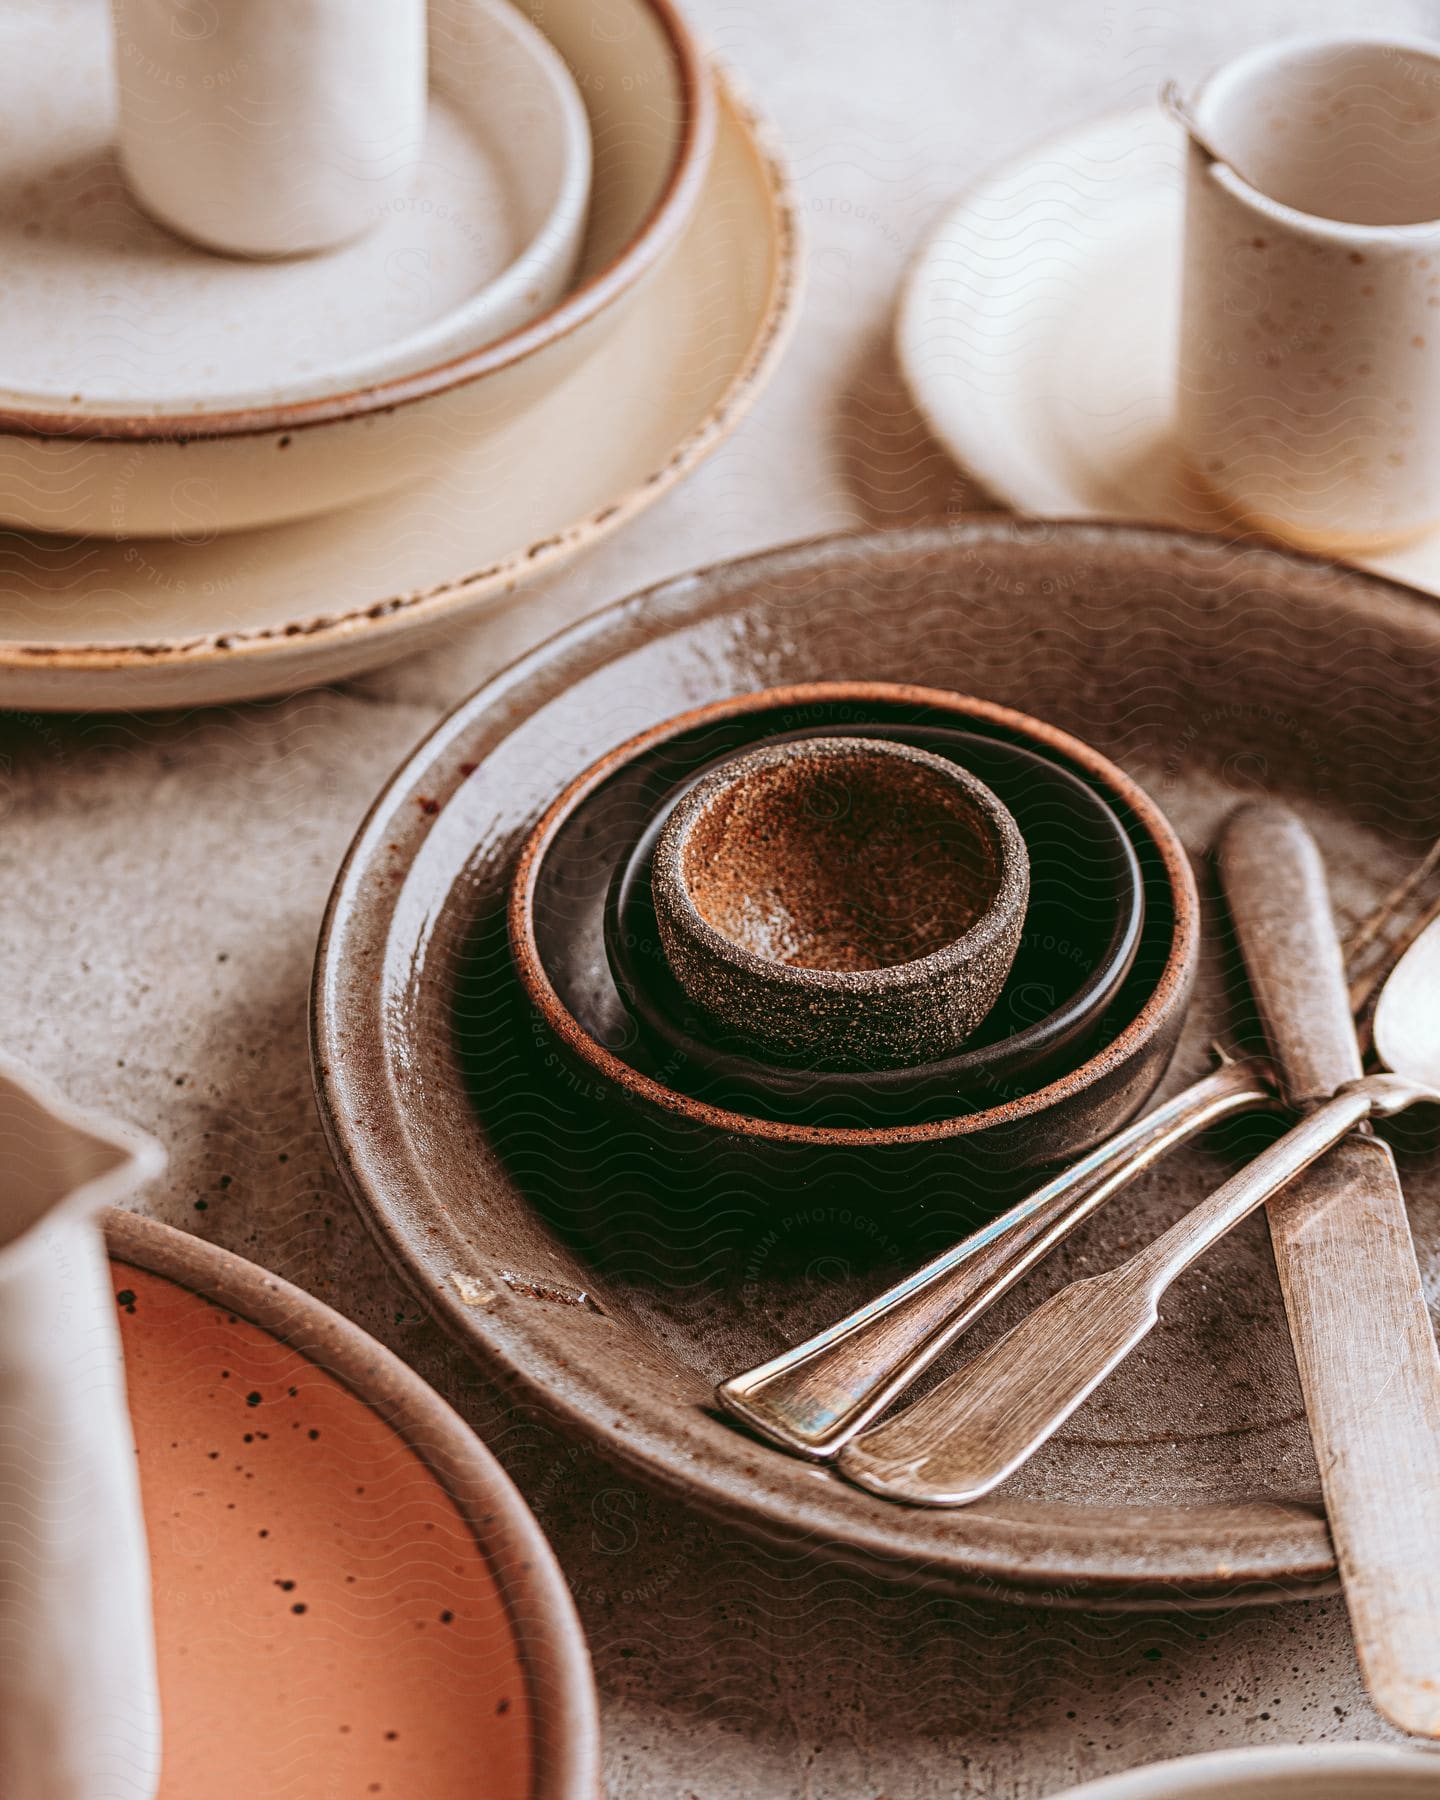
(163,881)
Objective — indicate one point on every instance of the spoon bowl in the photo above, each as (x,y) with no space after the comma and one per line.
(1407,1016)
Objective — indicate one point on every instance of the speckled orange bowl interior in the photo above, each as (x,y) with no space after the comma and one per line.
(350,1597)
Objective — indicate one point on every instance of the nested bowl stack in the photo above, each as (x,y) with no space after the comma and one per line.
(1082,930)
(1208,670)
(671,1138)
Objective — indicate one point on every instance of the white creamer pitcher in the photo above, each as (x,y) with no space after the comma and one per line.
(79,1711)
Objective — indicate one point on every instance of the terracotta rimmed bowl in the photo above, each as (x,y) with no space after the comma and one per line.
(997,1125)
(349,1594)
(830,898)
(1207,668)
(117,471)
(1082,933)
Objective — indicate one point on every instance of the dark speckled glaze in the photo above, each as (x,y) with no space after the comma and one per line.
(835,899)
(1207,668)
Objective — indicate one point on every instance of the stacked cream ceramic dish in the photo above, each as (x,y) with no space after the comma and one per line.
(219,556)
(145,370)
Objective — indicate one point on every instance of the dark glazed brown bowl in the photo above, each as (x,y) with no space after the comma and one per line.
(835,898)
(1002,1129)
(1084,930)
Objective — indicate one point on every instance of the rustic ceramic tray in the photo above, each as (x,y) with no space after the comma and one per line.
(1212,671)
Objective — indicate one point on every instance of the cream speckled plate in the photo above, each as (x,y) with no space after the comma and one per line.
(135,624)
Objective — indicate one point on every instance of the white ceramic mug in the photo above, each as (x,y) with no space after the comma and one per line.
(270,127)
(1309,387)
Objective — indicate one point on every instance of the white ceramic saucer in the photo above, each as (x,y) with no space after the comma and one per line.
(1278,1772)
(1036,332)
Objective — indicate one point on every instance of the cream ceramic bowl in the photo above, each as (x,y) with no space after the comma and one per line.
(106,468)
(535,118)
(1278,1772)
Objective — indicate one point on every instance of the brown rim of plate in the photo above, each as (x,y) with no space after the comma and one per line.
(658,231)
(1171,986)
(394,611)
(548,1637)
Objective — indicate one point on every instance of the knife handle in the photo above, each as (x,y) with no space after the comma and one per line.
(1364,1342)
(1272,874)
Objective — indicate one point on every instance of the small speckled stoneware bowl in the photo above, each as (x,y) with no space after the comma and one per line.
(842,896)
(1083,931)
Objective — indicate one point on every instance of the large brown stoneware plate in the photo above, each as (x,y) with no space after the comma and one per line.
(1211,671)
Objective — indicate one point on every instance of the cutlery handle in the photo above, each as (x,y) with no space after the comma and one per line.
(1373,1096)
(816,1396)
(1275,885)
(977,1427)
(1364,1339)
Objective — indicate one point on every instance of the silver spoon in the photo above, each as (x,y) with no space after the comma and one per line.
(977,1427)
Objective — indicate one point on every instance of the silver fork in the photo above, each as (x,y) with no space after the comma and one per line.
(816,1396)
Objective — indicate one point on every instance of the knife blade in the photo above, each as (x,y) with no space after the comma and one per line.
(1364,1343)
